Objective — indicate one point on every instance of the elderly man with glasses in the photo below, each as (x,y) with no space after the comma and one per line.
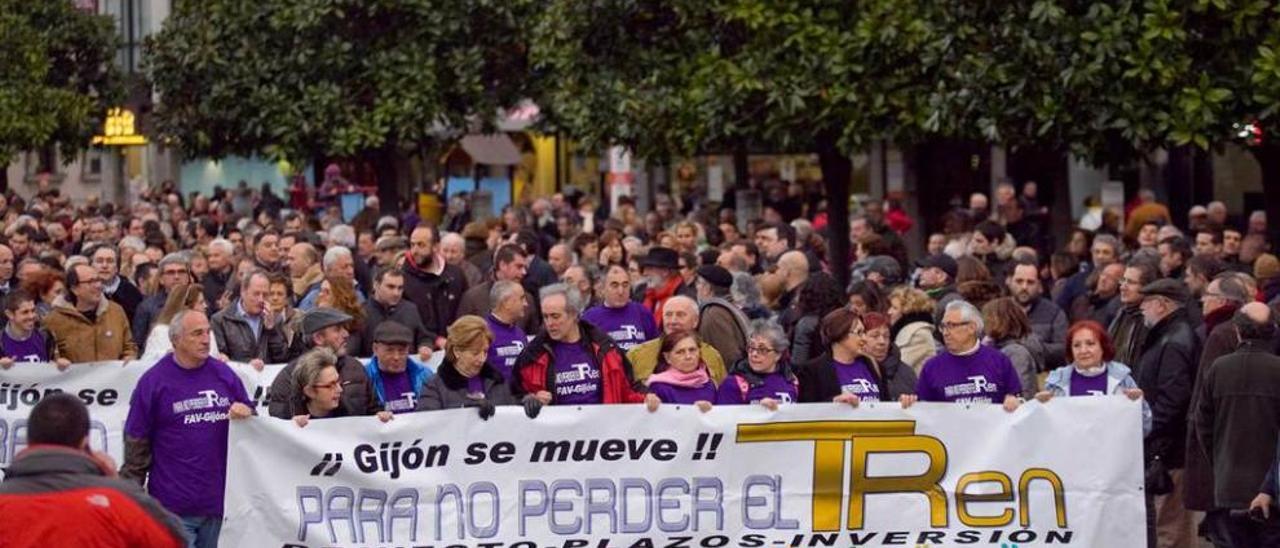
(967,371)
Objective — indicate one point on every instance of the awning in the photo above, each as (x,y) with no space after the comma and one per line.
(493,150)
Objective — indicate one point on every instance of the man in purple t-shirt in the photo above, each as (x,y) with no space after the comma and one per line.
(509,306)
(176,433)
(627,322)
(968,372)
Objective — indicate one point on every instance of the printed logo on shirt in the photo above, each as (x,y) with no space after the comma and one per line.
(1096,392)
(782,397)
(627,336)
(861,387)
(406,402)
(510,352)
(210,400)
(30,358)
(977,390)
(580,378)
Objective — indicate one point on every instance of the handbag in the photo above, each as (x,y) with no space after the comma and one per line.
(1158,480)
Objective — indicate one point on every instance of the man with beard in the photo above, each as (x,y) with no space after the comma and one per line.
(1048,321)
(431,283)
(325,327)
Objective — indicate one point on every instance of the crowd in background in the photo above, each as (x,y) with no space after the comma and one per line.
(558,302)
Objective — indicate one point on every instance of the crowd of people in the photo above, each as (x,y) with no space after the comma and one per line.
(555,302)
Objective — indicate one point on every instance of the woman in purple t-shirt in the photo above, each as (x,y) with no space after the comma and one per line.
(682,376)
(844,373)
(764,376)
(1092,372)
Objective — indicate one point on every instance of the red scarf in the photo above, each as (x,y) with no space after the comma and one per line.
(654,298)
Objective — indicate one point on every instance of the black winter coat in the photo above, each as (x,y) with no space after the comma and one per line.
(436,296)
(818,382)
(1165,374)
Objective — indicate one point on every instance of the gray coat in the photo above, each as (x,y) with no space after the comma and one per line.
(1027,356)
(1050,324)
(235,338)
(448,389)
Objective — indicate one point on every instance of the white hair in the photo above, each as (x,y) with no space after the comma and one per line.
(572,297)
(449,237)
(224,244)
(342,235)
(334,253)
(968,313)
(500,291)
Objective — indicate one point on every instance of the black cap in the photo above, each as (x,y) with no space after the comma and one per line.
(661,257)
(1168,288)
(941,261)
(391,332)
(320,318)
(715,275)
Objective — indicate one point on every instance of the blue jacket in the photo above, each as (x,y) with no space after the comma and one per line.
(418,376)
(1119,379)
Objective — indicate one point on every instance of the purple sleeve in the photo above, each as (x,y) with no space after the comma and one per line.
(729,392)
(138,424)
(1011,379)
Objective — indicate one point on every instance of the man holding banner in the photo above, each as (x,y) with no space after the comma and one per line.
(176,433)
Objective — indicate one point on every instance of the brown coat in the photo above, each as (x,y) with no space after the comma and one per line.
(1198,477)
(81,341)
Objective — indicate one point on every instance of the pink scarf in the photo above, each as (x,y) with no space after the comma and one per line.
(693,379)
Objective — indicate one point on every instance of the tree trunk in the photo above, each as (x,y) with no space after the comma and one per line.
(741,177)
(837,171)
(384,165)
(1268,156)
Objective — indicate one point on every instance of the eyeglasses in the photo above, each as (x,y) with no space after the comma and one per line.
(92,281)
(948,326)
(327,385)
(762,350)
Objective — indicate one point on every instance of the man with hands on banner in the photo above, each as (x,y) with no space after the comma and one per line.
(325,327)
(176,432)
(570,362)
(966,372)
(22,339)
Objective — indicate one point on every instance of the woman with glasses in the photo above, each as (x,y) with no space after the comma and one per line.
(764,376)
(465,378)
(682,377)
(316,376)
(845,373)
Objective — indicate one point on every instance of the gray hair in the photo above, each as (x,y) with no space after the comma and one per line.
(177,257)
(309,366)
(1109,241)
(342,235)
(1232,288)
(334,253)
(770,331)
(500,291)
(452,237)
(176,331)
(968,313)
(572,298)
(224,244)
(745,292)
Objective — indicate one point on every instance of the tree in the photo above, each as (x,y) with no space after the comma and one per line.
(57,79)
(348,78)
(688,76)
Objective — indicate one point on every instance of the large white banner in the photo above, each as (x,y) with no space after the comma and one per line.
(1066,473)
(104,387)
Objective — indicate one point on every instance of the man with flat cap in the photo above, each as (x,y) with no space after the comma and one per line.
(938,280)
(1165,370)
(722,324)
(395,377)
(325,327)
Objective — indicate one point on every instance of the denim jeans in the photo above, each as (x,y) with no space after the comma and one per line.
(202,531)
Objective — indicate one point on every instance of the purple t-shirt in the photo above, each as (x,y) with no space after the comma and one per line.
(578,380)
(31,349)
(773,385)
(475,385)
(986,376)
(855,378)
(628,326)
(1088,386)
(399,392)
(508,342)
(670,393)
(183,412)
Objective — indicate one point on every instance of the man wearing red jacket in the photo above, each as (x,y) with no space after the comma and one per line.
(571,362)
(58,493)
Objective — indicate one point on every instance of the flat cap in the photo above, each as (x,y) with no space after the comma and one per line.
(392,332)
(715,275)
(323,317)
(1168,288)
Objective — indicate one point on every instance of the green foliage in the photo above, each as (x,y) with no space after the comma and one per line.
(298,78)
(56,79)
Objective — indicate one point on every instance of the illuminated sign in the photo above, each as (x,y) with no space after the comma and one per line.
(118,130)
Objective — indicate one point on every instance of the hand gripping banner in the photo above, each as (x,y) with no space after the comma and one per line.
(1065,473)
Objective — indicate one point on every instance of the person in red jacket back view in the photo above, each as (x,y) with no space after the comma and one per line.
(571,362)
(59,493)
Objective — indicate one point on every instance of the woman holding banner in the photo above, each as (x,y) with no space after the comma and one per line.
(765,375)
(682,377)
(1092,371)
(845,373)
(316,376)
(465,378)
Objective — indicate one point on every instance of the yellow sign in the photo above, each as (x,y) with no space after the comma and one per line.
(118,130)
